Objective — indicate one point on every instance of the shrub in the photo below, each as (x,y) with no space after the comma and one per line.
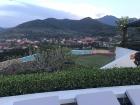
(49,59)
(73,78)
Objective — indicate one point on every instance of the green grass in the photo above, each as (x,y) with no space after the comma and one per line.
(93,60)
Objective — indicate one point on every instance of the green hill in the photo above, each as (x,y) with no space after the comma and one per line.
(52,27)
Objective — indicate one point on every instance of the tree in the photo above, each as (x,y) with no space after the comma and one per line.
(122,26)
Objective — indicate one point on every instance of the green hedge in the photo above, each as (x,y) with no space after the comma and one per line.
(65,80)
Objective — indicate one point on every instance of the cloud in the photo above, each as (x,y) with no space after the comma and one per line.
(15,12)
(9,2)
(80,8)
(12,15)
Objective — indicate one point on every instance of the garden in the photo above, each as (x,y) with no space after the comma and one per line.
(54,70)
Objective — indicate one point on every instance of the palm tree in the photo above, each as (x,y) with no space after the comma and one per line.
(122,26)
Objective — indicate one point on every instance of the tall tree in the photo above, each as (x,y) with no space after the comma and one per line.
(122,26)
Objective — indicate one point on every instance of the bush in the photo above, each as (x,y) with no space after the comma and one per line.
(74,78)
(47,59)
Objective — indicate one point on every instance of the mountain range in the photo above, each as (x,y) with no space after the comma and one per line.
(108,19)
(111,20)
(1,29)
(53,27)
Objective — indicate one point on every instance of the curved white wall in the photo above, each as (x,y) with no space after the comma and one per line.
(122,51)
(122,59)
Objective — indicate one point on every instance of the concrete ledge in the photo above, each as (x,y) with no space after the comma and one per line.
(69,95)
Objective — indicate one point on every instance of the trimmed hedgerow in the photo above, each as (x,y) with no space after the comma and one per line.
(67,80)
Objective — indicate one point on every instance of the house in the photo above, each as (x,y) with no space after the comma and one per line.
(87,40)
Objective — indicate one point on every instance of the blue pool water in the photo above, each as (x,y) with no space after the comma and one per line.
(27,58)
(81,52)
(74,52)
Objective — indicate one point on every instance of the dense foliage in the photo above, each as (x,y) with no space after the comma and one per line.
(45,58)
(72,78)
(13,53)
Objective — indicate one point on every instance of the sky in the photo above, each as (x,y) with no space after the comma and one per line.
(14,12)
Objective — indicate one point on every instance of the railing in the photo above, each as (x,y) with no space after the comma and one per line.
(68,96)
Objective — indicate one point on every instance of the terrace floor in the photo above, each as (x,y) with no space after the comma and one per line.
(69,96)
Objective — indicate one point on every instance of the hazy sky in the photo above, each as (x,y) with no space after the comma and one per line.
(24,10)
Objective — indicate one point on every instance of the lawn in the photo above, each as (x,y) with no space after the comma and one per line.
(94,60)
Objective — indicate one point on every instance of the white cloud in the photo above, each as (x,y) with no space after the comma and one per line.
(13,12)
(8,2)
(81,9)
(12,15)
(7,13)
(18,2)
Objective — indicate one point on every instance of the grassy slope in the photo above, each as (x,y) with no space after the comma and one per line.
(94,60)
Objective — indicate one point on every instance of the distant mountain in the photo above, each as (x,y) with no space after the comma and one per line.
(111,20)
(1,29)
(52,27)
(132,19)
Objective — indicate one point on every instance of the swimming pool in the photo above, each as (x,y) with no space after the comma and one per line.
(27,58)
(81,52)
(74,52)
